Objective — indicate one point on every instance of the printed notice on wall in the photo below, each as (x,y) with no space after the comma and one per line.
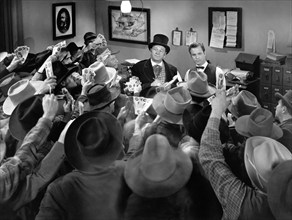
(231,29)
(218,30)
(191,37)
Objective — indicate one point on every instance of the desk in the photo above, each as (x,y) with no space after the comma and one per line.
(251,86)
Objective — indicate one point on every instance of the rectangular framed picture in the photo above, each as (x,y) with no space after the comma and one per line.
(64,23)
(130,28)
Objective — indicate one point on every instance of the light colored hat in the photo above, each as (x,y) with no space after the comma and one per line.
(258,123)
(280,191)
(261,156)
(197,84)
(287,98)
(5,84)
(170,105)
(103,74)
(158,171)
(20,91)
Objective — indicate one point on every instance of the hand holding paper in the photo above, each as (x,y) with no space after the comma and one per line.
(22,53)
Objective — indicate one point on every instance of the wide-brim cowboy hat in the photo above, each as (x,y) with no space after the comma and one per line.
(5,84)
(25,116)
(168,108)
(9,105)
(261,155)
(160,39)
(258,123)
(158,170)
(99,96)
(287,98)
(280,191)
(103,74)
(93,140)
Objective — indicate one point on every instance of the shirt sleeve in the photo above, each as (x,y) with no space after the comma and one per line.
(41,176)
(15,169)
(229,190)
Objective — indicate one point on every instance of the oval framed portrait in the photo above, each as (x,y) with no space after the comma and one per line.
(63,20)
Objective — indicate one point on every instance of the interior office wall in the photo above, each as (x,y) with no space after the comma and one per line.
(257,18)
(37,22)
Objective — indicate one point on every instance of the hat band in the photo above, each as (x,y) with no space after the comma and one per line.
(99,96)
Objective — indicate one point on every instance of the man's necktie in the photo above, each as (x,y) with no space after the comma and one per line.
(157,70)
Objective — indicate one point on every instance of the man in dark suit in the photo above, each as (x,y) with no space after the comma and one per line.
(155,72)
(214,73)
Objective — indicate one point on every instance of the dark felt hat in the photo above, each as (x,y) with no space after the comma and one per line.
(258,123)
(160,39)
(243,104)
(287,98)
(25,116)
(93,140)
(73,48)
(100,96)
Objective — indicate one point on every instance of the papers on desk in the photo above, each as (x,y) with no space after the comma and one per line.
(241,74)
(132,61)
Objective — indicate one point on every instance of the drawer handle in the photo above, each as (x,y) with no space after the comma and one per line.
(267,76)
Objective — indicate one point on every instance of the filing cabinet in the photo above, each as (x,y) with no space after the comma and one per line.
(273,78)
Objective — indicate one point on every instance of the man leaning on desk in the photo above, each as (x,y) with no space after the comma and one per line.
(215,74)
(155,72)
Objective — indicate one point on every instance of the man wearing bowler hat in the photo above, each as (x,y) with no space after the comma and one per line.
(155,72)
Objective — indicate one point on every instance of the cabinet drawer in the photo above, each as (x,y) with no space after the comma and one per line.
(267,106)
(277,78)
(266,74)
(287,77)
(275,89)
(265,93)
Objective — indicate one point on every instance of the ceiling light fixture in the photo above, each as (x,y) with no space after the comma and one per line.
(126,6)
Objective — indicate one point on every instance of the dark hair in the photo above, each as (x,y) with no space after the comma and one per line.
(195,45)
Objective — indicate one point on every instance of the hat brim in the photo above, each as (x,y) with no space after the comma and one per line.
(9,106)
(158,105)
(241,127)
(144,187)
(211,91)
(278,186)
(77,159)
(167,48)
(278,96)
(112,73)
(115,92)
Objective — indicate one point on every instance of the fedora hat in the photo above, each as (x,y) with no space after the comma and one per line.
(25,116)
(258,123)
(261,155)
(93,140)
(195,119)
(287,98)
(170,105)
(280,191)
(5,84)
(62,71)
(243,104)
(160,39)
(103,74)
(20,91)
(159,170)
(198,86)
(100,96)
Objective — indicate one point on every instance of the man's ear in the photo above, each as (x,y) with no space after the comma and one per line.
(284,109)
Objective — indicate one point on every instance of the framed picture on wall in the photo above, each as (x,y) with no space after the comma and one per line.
(131,28)
(64,20)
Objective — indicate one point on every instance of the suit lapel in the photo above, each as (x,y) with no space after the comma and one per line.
(148,71)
